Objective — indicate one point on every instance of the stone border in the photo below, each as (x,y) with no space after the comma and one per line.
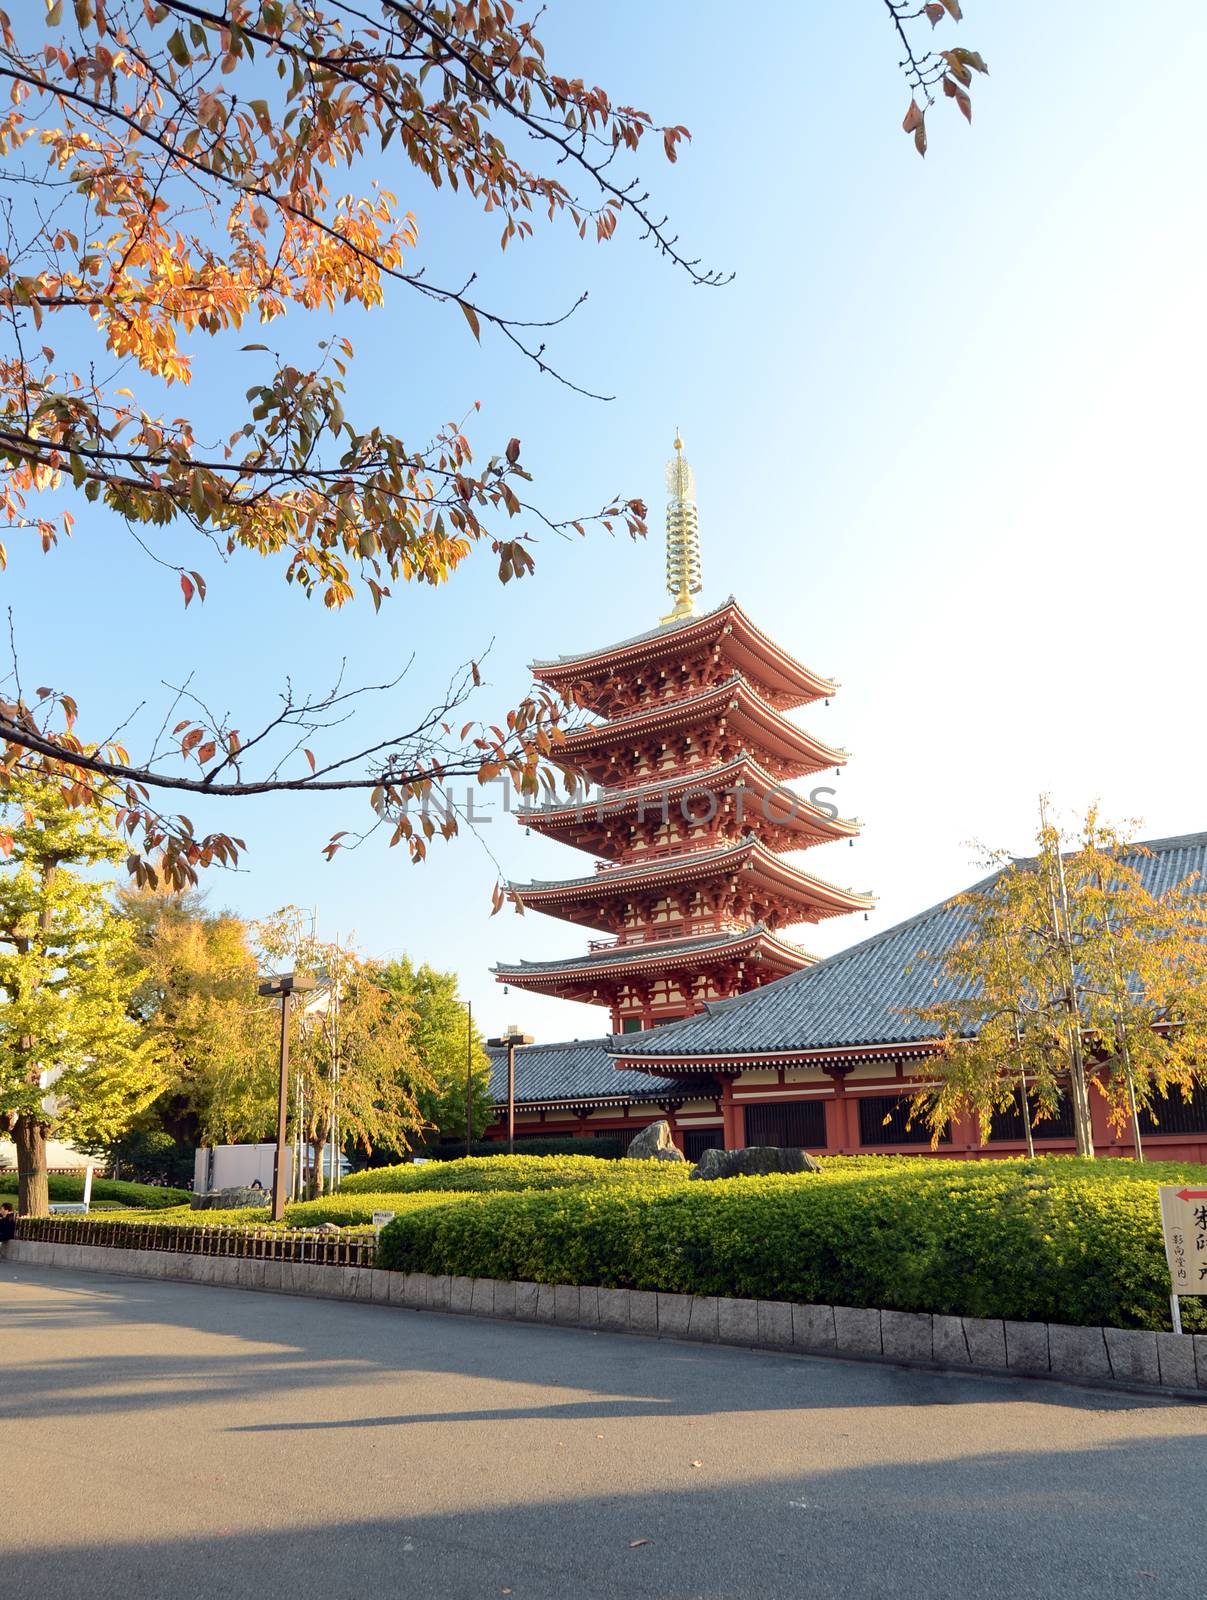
(1130,1358)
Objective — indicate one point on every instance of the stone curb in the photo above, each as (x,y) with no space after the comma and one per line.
(1131,1358)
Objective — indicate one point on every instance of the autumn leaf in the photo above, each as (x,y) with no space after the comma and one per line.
(953,91)
(471,316)
(915,123)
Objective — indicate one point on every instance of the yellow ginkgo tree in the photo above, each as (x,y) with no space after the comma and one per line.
(74,1063)
(1075,977)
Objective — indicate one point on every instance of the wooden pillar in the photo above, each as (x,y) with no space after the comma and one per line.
(854,1137)
(965,1133)
(1104,1136)
(727,1116)
(739,1125)
(838,1127)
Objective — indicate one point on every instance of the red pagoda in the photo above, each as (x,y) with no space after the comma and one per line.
(686,765)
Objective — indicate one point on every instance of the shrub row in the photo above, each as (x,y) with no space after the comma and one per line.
(476,1174)
(356,1210)
(606,1147)
(1005,1240)
(345,1211)
(65,1188)
(1106,1169)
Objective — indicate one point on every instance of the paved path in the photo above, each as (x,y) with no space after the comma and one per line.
(168,1441)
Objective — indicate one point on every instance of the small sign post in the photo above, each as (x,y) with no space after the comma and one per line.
(380,1218)
(1184,1224)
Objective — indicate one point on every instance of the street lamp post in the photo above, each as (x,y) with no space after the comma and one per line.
(469,1077)
(271,989)
(508,1041)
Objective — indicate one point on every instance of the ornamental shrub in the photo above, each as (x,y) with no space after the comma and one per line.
(65,1187)
(1038,1241)
(603,1146)
(356,1210)
(480,1174)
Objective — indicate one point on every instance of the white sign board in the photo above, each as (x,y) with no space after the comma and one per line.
(380,1218)
(1184,1224)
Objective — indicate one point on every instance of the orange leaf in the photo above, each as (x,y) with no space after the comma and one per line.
(471,316)
(309,754)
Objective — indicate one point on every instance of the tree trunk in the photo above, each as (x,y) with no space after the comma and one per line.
(1054,869)
(318,1144)
(33,1185)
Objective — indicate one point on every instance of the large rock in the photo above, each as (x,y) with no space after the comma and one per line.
(655,1144)
(753,1163)
(230,1199)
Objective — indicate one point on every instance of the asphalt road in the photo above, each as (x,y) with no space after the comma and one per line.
(171,1441)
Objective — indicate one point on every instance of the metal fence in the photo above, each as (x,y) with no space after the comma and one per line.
(344,1249)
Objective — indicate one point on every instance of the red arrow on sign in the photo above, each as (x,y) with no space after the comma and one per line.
(1192,1194)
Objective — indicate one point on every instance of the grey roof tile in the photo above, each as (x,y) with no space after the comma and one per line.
(863,995)
(661,631)
(651,950)
(573,1069)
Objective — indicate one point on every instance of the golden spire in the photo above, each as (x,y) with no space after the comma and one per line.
(682,536)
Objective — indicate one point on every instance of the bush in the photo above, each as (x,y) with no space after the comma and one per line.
(356,1210)
(605,1147)
(1036,1241)
(64,1188)
(482,1174)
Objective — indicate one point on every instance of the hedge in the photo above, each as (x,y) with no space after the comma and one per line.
(356,1210)
(1031,1241)
(608,1147)
(476,1174)
(64,1187)
(345,1211)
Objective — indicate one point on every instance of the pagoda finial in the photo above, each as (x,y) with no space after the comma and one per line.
(682,535)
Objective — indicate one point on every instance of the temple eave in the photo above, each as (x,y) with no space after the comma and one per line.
(798,684)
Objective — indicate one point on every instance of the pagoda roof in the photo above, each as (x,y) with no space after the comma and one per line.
(736,699)
(656,955)
(762,656)
(569,896)
(801,817)
(580,1071)
(861,1001)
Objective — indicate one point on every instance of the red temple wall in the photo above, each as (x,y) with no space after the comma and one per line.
(840,1102)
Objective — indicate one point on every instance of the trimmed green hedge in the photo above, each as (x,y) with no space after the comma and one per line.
(356,1210)
(65,1188)
(345,1211)
(607,1147)
(476,1175)
(1038,1241)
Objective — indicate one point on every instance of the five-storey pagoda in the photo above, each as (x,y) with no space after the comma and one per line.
(688,757)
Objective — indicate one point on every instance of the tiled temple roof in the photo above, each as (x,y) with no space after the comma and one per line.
(577,1070)
(861,997)
(652,950)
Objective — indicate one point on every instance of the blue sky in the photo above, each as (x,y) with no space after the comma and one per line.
(947,425)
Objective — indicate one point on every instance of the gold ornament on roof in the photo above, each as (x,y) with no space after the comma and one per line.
(682,536)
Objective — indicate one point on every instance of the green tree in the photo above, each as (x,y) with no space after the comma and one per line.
(195,1000)
(444,1036)
(357,1077)
(1073,977)
(72,1061)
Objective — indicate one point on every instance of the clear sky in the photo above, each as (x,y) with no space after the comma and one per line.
(948,431)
